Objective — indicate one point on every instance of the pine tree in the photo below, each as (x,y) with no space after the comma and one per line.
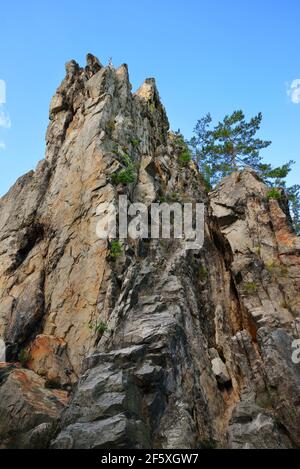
(232,145)
(293,194)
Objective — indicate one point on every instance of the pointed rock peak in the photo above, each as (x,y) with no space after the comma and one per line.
(123,76)
(91,59)
(123,69)
(72,68)
(93,64)
(149,93)
(150,81)
(148,90)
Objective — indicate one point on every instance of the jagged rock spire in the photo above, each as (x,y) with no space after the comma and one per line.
(93,64)
(72,68)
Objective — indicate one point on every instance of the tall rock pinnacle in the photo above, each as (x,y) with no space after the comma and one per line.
(158,346)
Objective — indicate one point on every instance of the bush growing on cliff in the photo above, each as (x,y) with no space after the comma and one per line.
(250,287)
(274,194)
(99,327)
(182,149)
(184,157)
(110,126)
(202,272)
(135,142)
(126,175)
(115,249)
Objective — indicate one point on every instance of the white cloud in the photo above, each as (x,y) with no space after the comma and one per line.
(294,91)
(2,146)
(2,92)
(4,119)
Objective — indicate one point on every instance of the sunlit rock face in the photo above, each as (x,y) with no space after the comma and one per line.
(157,346)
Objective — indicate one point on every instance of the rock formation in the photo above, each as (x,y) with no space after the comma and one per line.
(158,346)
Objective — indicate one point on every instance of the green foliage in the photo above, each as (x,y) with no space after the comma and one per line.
(232,145)
(126,175)
(184,158)
(173,197)
(270,266)
(274,177)
(115,249)
(162,199)
(293,194)
(207,184)
(169,198)
(250,287)
(274,194)
(110,126)
(202,272)
(135,142)
(257,250)
(276,269)
(179,141)
(152,108)
(182,149)
(24,356)
(99,327)
(126,160)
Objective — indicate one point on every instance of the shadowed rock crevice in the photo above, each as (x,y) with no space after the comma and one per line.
(31,236)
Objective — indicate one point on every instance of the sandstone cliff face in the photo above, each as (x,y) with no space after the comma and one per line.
(197,345)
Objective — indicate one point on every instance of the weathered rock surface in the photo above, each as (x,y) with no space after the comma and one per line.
(196,342)
(29,412)
(48,357)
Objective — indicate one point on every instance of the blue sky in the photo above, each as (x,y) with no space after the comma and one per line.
(207,56)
